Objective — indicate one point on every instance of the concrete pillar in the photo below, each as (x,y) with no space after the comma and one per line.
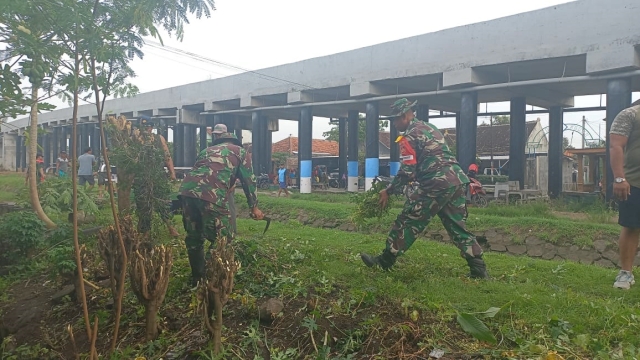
(203,138)
(457,139)
(518,140)
(46,144)
(85,137)
(265,145)
(422,112)
(78,143)
(239,135)
(372,141)
(40,149)
(618,99)
(64,136)
(96,143)
(342,148)
(305,139)
(55,144)
(178,145)
(556,128)
(394,151)
(164,131)
(268,148)
(467,129)
(352,148)
(190,149)
(256,141)
(8,151)
(23,154)
(19,153)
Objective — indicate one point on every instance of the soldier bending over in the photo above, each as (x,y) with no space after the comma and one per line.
(426,158)
(204,194)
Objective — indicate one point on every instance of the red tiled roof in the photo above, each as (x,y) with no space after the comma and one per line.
(489,138)
(318,146)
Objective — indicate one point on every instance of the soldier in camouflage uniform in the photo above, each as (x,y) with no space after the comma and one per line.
(426,158)
(204,195)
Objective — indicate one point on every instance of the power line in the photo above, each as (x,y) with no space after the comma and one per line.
(190,65)
(221,63)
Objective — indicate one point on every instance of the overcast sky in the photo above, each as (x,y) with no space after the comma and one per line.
(255,34)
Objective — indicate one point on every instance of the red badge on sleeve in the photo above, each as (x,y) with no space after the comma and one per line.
(407,153)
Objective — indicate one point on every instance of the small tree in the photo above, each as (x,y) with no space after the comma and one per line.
(32,45)
(149,273)
(221,270)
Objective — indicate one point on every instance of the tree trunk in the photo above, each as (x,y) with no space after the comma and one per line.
(217,325)
(125,182)
(150,314)
(33,149)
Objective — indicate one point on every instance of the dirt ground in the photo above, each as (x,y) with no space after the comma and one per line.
(31,318)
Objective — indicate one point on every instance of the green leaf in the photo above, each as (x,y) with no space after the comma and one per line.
(475,327)
(489,313)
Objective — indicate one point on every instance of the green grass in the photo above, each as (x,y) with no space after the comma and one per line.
(431,277)
(546,305)
(10,184)
(520,221)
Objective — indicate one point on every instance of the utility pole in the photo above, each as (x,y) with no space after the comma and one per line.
(491,132)
(584,125)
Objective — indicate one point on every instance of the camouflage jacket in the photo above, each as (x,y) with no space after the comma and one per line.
(216,170)
(425,157)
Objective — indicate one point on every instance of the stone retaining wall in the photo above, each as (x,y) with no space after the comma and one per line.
(603,252)
(7,207)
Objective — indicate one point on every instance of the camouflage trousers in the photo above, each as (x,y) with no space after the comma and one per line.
(449,204)
(203,220)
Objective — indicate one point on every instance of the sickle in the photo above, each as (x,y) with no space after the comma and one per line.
(267,219)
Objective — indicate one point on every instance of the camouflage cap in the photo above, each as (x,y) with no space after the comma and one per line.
(220,129)
(400,107)
(227,135)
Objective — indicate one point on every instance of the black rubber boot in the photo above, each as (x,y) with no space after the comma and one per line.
(477,267)
(196,260)
(384,260)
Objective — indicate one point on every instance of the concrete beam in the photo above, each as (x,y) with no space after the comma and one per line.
(164,112)
(619,58)
(297,97)
(365,89)
(243,123)
(542,97)
(248,101)
(464,77)
(214,106)
(191,117)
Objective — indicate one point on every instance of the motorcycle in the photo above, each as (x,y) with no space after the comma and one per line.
(334,181)
(263,182)
(478,194)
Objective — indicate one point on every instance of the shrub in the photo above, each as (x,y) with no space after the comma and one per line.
(21,232)
(56,196)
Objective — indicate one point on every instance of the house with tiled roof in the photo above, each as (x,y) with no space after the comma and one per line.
(495,140)
(319,147)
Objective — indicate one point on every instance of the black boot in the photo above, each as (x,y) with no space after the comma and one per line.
(384,260)
(196,260)
(477,267)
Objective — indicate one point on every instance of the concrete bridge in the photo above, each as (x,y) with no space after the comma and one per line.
(542,58)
